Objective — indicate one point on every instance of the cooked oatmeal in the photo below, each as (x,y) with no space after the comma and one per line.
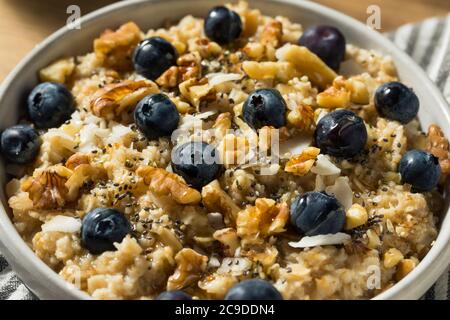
(204,240)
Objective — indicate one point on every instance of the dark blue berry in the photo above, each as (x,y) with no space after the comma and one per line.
(254,289)
(341,133)
(420,169)
(395,101)
(314,213)
(20,144)
(153,56)
(265,107)
(156,116)
(222,25)
(174,295)
(101,228)
(197,162)
(50,105)
(327,42)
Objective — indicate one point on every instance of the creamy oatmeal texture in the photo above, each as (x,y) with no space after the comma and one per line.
(237,227)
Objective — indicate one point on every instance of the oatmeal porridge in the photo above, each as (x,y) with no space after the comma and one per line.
(239,156)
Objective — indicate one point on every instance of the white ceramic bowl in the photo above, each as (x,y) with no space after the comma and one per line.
(45,283)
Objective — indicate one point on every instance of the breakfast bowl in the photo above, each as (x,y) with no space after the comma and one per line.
(46,283)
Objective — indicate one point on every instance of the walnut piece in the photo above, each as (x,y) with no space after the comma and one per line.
(217,200)
(190,266)
(438,145)
(333,97)
(308,63)
(111,100)
(46,188)
(264,219)
(301,117)
(302,163)
(115,48)
(272,34)
(81,174)
(229,239)
(188,67)
(162,182)
(77,159)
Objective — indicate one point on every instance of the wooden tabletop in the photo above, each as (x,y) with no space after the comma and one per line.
(25,23)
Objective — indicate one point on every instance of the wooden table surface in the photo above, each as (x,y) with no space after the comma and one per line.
(24,23)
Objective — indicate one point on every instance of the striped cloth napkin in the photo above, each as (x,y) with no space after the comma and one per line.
(428,43)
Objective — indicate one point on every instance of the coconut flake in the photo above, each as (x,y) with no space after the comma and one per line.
(321,240)
(217,78)
(324,166)
(342,191)
(62,224)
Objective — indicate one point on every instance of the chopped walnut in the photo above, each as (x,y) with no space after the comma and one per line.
(196,91)
(81,174)
(217,200)
(333,97)
(229,239)
(438,145)
(309,64)
(169,78)
(113,99)
(301,117)
(77,159)
(115,48)
(162,182)
(190,266)
(204,47)
(272,34)
(302,163)
(266,257)
(188,67)
(46,188)
(264,219)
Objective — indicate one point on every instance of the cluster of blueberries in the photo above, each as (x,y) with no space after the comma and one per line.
(340,133)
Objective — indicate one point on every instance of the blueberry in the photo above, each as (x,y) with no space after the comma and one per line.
(420,169)
(101,228)
(174,295)
(156,116)
(341,133)
(327,42)
(50,105)
(265,107)
(222,25)
(254,289)
(153,56)
(395,101)
(197,163)
(314,213)
(20,144)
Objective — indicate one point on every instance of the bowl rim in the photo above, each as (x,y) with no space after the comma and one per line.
(423,276)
